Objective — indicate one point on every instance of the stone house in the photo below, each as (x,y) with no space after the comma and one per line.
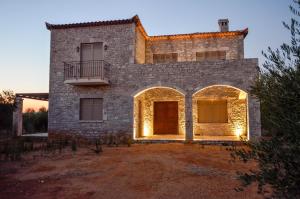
(112,77)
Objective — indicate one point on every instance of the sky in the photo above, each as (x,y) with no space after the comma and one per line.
(25,41)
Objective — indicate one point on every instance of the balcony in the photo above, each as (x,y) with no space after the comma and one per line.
(86,73)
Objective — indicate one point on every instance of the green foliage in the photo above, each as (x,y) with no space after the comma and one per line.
(7,99)
(74,145)
(35,121)
(278,89)
(98,146)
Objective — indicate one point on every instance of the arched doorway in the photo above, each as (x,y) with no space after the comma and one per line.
(159,114)
(220,112)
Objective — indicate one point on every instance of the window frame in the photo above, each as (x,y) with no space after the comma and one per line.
(209,120)
(219,55)
(92,48)
(163,56)
(91,120)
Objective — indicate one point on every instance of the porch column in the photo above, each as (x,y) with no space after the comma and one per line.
(254,118)
(188,117)
(17,126)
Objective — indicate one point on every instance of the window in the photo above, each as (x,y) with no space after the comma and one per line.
(165,58)
(211,55)
(90,54)
(212,111)
(91,108)
(91,51)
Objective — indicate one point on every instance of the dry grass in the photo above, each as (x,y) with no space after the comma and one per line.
(140,171)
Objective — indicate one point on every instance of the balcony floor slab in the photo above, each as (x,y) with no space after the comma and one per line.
(86,82)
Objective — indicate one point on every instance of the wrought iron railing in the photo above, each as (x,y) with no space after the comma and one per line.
(94,69)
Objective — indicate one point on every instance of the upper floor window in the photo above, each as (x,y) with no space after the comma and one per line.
(211,55)
(91,109)
(165,58)
(91,51)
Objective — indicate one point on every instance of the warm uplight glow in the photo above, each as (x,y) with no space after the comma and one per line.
(238,131)
(144,101)
(146,129)
(242,95)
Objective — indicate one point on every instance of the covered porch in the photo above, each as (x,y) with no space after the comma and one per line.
(18,112)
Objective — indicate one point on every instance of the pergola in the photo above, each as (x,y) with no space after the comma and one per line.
(36,96)
(18,115)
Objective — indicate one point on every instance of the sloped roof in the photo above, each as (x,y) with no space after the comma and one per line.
(90,24)
(135,19)
(200,35)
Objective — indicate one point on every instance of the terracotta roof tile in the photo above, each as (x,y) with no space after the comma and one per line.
(200,35)
(135,19)
(90,24)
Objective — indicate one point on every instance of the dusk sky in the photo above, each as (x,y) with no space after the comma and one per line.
(25,41)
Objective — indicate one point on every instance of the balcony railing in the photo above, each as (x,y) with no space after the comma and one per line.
(93,72)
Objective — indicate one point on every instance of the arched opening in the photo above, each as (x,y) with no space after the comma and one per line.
(220,112)
(159,114)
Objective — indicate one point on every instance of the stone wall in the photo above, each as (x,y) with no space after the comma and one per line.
(147,100)
(64,98)
(139,47)
(236,109)
(126,79)
(129,79)
(187,48)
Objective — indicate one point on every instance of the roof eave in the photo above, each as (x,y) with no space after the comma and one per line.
(245,32)
(134,19)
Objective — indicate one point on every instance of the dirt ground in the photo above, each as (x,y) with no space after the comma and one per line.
(140,171)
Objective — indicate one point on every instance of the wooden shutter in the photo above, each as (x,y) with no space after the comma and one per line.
(86,52)
(211,55)
(91,109)
(97,51)
(165,58)
(97,109)
(86,108)
(91,51)
(212,111)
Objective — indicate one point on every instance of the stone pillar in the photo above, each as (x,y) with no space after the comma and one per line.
(188,118)
(254,118)
(18,117)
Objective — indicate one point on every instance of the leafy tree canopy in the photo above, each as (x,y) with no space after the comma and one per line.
(278,89)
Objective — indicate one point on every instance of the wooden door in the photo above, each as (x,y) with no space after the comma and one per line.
(91,51)
(91,54)
(165,117)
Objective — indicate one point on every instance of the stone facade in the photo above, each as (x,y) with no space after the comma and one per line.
(147,100)
(140,47)
(237,111)
(131,72)
(187,48)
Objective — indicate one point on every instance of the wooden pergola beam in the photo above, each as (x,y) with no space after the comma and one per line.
(36,96)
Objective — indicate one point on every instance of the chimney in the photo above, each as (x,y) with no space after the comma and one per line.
(223,25)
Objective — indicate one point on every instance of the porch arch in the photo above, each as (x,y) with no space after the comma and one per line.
(220,112)
(158,85)
(146,113)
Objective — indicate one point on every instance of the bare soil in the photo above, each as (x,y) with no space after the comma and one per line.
(140,171)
